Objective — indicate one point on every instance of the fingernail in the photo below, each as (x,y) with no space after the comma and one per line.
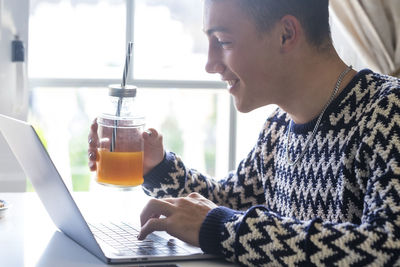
(149,132)
(90,141)
(92,156)
(91,165)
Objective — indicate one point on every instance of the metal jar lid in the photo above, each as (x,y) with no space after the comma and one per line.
(118,91)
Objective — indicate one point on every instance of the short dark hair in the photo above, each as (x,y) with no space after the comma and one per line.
(312,14)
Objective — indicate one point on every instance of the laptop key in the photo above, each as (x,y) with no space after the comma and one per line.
(123,237)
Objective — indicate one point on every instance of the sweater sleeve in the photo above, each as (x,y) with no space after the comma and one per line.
(239,190)
(261,237)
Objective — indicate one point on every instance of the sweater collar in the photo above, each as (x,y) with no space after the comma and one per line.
(304,128)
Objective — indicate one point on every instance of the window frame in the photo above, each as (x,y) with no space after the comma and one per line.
(147,83)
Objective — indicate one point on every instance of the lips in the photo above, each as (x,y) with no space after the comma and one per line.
(231,83)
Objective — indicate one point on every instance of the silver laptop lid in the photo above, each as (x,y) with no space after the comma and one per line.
(37,165)
(55,196)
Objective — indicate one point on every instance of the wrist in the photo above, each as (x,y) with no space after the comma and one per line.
(148,168)
(152,176)
(213,232)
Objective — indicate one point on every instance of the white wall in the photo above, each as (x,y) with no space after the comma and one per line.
(14,17)
(12,178)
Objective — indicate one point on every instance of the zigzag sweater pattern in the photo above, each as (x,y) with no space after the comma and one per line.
(339,206)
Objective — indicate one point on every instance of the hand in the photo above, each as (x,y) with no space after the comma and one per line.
(153,148)
(183,217)
(93,140)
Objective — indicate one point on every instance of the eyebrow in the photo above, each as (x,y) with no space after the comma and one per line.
(216,29)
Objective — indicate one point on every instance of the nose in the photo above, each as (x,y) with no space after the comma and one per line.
(214,62)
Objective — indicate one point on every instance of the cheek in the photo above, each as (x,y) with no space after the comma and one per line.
(229,58)
(239,63)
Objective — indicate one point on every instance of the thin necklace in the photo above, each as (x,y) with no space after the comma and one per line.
(294,162)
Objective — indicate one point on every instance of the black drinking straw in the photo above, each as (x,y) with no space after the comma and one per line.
(123,84)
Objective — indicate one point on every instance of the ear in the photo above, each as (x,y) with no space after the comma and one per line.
(290,32)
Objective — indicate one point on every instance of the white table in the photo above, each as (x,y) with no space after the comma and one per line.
(28,237)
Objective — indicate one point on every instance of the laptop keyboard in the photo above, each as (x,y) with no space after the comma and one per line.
(123,238)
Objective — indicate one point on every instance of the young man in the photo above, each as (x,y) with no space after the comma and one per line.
(321,186)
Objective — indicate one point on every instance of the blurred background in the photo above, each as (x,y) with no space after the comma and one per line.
(73,49)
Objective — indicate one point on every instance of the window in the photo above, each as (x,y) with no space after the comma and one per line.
(188,119)
(169,42)
(77,49)
(76,39)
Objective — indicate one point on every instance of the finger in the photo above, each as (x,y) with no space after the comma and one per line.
(94,125)
(92,166)
(104,142)
(171,200)
(153,224)
(92,137)
(92,155)
(147,133)
(150,133)
(155,208)
(93,140)
(195,195)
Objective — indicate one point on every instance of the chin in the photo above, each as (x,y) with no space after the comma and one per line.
(242,108)
(246,108)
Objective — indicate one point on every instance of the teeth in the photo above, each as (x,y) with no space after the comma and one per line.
(231,82)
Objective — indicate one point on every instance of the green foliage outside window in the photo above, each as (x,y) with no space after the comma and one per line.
(79,163)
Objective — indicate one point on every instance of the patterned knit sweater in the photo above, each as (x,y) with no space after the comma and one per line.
(339,206)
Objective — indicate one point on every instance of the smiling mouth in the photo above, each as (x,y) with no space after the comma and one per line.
(231,83)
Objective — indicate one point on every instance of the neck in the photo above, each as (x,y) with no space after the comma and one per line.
(311,86)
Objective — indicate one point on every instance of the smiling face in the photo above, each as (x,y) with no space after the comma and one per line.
(248,60)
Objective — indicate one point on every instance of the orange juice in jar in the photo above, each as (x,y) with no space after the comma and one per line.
(120,168)
(120,152)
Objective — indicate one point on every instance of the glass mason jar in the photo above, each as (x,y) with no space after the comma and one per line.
(120,128)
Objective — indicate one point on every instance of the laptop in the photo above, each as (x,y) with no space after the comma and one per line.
(111,242)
